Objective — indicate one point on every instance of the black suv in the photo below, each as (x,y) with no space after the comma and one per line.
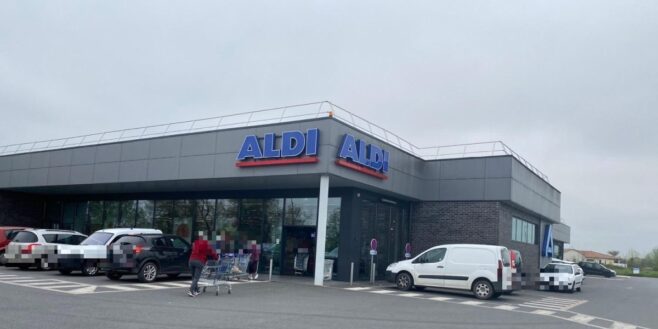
(591,268)
(148,256)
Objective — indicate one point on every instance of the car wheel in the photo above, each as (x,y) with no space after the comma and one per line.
(65,272)
(113,275)
(148,272)
(579,289)
(404,281)
(173,276)
(573,288)
(419,288)
(482,289)
(90,268)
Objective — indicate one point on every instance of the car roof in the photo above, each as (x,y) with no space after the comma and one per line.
(14,228)
(130,230)
(485,246)
(49,230)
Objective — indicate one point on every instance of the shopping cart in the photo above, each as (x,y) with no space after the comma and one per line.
(215,274)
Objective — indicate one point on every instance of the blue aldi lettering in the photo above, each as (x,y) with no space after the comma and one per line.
(370,156)
(293,144)
(547,245)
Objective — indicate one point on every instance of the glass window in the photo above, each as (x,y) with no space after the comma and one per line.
(301,212)
(271,245)
(69,216)
(97,239)
(164,216)
(144,215)
(432,256)
(80,223)
(72,239)
(227,223)
(333,227)
(131,239)
(523,231)
(50,238)
(95,216)
(179,243)
(111,214)
(53,214)
(25,237)
(183,219)
(205,219)
(127,213)
(251,222)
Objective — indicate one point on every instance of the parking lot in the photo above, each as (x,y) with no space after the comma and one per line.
(46,298)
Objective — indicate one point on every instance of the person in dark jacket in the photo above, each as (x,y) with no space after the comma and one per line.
(252,268)
(201,251)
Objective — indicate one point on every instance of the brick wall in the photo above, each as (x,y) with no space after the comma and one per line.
(434,223)
(20,209)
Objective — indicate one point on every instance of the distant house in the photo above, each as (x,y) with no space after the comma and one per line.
(574,255)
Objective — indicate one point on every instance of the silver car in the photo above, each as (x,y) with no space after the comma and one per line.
(38,247)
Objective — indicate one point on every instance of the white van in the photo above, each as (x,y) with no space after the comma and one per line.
(483,269)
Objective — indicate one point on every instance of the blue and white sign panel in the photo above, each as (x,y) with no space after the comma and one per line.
(547,243)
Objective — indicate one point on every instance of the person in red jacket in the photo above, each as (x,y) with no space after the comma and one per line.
(201,251)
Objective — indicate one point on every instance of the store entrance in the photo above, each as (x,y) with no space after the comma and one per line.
(298,250)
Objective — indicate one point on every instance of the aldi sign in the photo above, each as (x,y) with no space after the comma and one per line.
(295,147)
(365,158)
(547,244)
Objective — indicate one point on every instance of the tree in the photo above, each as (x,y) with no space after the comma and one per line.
(651,259)
(633,258)
(613,253)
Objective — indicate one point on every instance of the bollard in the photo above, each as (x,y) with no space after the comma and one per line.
(351,273)
(271,264)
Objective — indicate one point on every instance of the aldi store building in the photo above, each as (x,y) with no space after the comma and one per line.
(311,179)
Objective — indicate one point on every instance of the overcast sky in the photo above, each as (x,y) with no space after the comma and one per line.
(570,85)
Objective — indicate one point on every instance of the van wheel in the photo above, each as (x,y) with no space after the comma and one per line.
(482,289)
(148,272)
(90,269)
(404,281)
(114,276)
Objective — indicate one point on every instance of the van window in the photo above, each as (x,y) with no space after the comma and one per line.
(25,237)
(504,255)
(432,256)
(472,256)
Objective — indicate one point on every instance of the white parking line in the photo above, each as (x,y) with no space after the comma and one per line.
(440,299)
(581,318)
(50,283)
(472,302)
(381,291)
(358,288)
(411,294)
(64,286)
(543,312)
(506,307)
(26,281)
(619,325)
(120,287)
(175,284)
(150,286)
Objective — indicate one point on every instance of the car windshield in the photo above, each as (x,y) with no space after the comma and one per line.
(97,239)
(558,268)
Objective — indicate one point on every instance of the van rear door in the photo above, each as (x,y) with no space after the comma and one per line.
(506,278)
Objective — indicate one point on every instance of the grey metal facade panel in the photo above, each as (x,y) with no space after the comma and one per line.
(199,144)
(461,189)
(60,157)
(533,201)
(106,172)
(192,167)
(84,156)
(562,232)
(37,177)
(162,169)
(39,160)
(497,189)
(5,178)
(108,153)
(137,150)
(19,177)
(463,168)
(5,163)
(165,147)
(133,171)
(21,161)
(59,175)
(498,167)
(83,174)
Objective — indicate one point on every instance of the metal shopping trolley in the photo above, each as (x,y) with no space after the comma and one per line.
(216,274)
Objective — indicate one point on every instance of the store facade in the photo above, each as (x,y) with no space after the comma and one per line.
(321,187)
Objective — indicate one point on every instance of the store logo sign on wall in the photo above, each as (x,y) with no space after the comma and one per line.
(547,244)
(365,158)
(295,147)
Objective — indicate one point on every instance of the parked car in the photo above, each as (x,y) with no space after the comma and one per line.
(6,234)
(591,268)
(483,269)
(38,247)
(87,256)
(560,276)
(148,256)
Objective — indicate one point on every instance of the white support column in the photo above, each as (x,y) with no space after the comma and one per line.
(321,239)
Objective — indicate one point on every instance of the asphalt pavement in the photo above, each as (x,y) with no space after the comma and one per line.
(26,302)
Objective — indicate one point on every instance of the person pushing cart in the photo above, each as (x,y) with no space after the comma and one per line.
(201,252)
